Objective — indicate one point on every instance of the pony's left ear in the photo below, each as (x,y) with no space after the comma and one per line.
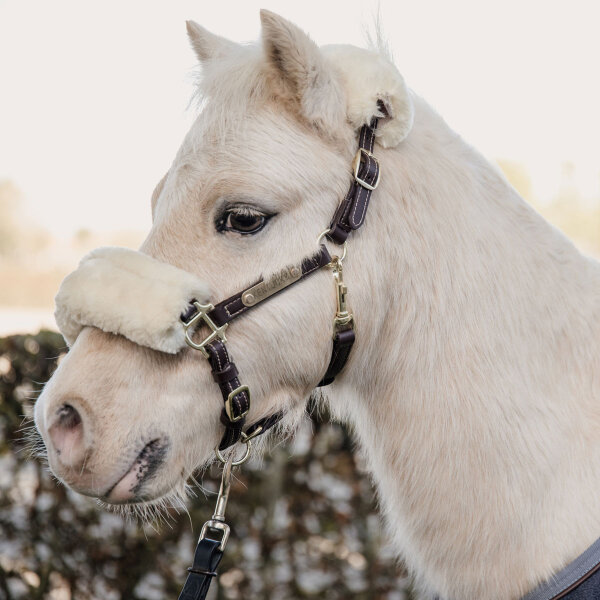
(304,76)
(374,88)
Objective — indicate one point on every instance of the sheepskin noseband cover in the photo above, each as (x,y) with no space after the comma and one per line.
(129,293)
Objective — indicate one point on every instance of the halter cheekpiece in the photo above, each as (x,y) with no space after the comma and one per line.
(349,216)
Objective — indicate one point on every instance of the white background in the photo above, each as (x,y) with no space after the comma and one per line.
(94,95)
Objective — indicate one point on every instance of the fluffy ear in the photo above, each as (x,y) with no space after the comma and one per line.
(306,76)
(207,45)
(374,87)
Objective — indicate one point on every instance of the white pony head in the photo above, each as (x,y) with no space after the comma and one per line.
(129,414)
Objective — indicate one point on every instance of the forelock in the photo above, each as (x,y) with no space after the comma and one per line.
(231,86)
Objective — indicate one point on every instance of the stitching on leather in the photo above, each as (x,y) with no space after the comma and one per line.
(360,200)
(343,218)
(371,140)
(237,312)
(235,380)
(218,358)
(228,383)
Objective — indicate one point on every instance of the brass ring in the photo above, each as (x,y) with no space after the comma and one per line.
(235,463)
(323,234)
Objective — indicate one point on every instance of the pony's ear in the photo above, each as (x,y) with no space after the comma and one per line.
(305,75)
(374,88)
(207,45)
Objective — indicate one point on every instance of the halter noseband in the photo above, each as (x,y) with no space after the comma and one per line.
(350,215)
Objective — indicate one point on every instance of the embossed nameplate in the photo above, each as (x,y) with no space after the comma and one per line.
(264,289)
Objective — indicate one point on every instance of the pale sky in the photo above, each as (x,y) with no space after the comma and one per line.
(94,95)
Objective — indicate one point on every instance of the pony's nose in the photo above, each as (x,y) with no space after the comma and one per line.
(67,434)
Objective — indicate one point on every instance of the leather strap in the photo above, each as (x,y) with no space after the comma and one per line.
(342,345)
(233,307)
(206,560)
(350,214)
(225,373)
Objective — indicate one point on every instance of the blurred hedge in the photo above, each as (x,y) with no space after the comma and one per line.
(304,523)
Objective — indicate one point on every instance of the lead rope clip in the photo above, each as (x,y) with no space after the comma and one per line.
(343,318)
(217,522)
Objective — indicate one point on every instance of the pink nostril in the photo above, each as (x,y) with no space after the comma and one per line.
(66,434)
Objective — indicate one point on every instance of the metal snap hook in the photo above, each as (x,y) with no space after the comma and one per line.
(217,523)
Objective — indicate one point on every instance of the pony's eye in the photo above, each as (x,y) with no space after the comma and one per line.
(242,220)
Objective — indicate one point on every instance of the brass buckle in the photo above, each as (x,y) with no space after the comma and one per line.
(229,403)
(216,332)
(356,167)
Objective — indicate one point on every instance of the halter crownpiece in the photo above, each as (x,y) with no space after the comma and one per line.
(105,292)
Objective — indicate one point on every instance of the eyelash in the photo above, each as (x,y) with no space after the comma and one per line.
(224,223)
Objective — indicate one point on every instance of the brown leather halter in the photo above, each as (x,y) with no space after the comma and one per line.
(350,215)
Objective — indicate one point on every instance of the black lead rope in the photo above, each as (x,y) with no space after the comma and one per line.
(206,560)
(350,215)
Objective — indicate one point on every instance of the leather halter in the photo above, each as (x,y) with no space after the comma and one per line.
(350,215)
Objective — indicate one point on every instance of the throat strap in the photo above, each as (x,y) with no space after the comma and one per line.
(342,344)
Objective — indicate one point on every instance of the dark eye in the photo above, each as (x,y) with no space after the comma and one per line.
(242,220)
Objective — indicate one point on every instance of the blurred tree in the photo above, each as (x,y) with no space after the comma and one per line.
(304,520)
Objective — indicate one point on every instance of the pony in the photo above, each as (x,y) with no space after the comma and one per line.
(473,388)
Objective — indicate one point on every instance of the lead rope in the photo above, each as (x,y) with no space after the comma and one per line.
(349,216)
(209,550)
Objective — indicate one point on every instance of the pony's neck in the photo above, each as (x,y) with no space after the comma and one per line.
(473,387)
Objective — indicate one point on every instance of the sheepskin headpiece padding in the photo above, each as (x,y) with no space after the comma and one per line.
(129,293)
(368,78)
